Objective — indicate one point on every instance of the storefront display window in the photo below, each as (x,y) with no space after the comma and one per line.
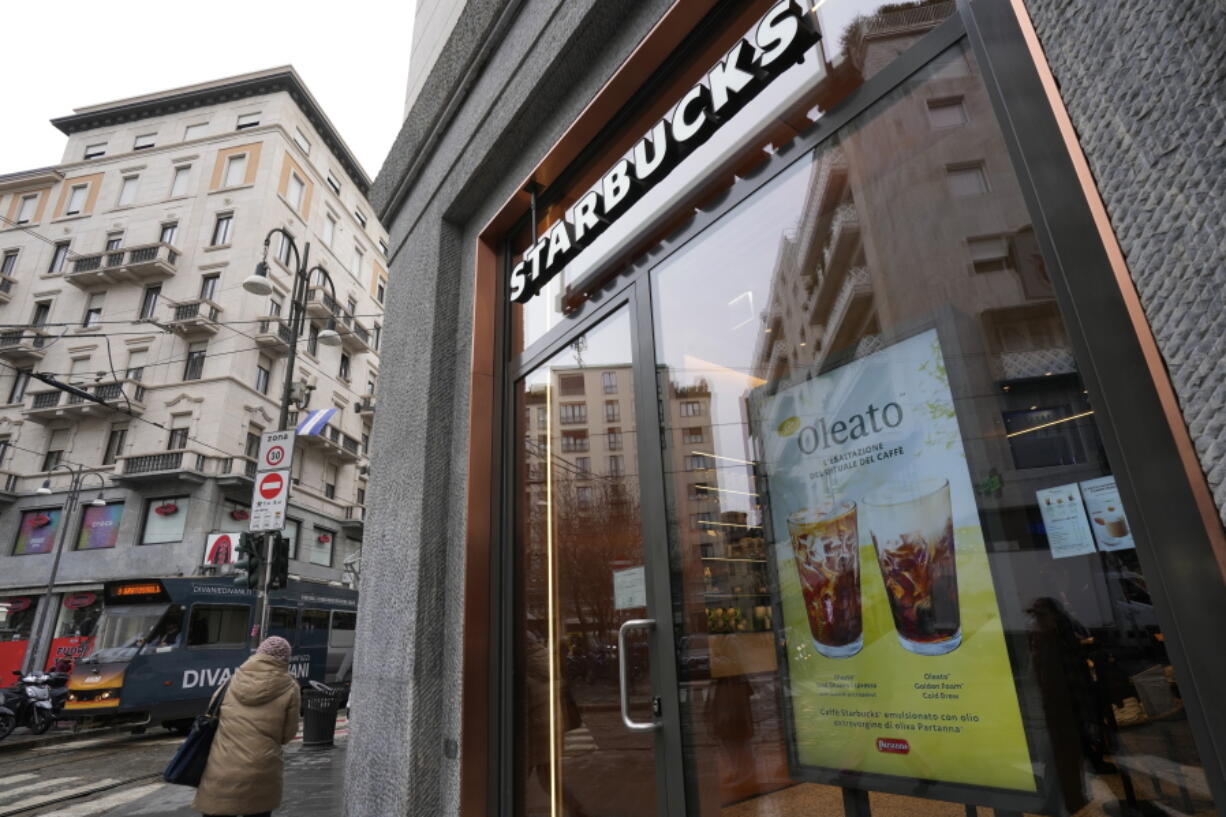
(898,561)
(37,531)
(99,526)
(165,519)
(16,622)
(74,629)
(319,547)
(951,571)
(235,517)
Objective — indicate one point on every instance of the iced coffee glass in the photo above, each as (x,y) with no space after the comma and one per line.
(911,524)
(826,544)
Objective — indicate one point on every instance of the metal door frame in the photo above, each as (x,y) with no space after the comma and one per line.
(630,294)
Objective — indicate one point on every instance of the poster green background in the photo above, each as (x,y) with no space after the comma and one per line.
(974,734)
(990,752)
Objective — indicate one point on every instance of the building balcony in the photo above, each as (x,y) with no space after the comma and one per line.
(320,304)
(354,336)
(140,264)
(127,395)
(366,407)
(6,288)
(355,520)
(161,467)
(23,346)
(195,318)
(274,335)
(237,472)
(333,443)
(844,237)
(1037,363)
(850,308)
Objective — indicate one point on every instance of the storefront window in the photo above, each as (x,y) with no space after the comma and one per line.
(74,629)
(16,622)
(37,531)
(899,557)
(165,518)
(319,547)
(291,532)
(99,526)
(235,517)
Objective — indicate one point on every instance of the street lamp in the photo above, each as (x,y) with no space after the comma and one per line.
(260,283)
(70,505)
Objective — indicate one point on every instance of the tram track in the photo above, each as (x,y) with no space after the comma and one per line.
(59,754)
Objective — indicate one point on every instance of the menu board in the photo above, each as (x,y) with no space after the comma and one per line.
(1064,519)
(895,653)
(1106,514)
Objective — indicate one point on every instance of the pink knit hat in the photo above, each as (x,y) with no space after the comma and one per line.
(275,647)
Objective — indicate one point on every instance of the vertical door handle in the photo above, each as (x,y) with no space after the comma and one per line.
(623,680)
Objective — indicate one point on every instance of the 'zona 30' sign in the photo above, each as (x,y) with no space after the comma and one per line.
(779,41)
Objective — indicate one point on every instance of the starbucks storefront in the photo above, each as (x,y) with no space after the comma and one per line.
(827,465)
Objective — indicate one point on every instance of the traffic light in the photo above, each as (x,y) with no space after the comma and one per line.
(279,577)
(250,562)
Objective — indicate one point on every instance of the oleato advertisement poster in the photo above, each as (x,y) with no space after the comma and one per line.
(896,658)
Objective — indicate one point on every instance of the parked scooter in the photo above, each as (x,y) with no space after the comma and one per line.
(34,701)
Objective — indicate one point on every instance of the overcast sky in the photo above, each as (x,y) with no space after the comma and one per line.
(65,54)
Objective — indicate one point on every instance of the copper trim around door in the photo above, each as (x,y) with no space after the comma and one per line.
(1136,313)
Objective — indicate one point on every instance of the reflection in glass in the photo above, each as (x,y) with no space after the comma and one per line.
(579,553)
(911,220)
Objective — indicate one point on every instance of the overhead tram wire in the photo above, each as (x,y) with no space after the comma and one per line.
(141,419)
(137,417)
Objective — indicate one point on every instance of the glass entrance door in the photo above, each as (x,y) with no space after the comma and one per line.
(586,715)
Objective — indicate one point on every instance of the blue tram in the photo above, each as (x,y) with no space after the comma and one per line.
(162,646)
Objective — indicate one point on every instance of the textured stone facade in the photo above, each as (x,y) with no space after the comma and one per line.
(537,64)
(1145,85)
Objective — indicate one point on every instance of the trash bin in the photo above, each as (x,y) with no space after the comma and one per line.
(1154,691)
(319,707)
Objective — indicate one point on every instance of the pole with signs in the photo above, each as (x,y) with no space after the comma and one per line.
(270,500)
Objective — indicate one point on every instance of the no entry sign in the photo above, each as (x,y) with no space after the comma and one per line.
(269,501)
(271,485)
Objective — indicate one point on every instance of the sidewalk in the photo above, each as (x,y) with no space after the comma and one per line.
(314,785)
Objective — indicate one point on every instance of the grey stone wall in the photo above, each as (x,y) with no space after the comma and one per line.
(1145,84)
(447,174)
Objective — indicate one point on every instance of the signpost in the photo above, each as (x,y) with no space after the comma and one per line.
(270,497)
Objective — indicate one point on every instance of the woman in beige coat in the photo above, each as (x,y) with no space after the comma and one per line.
(259,715)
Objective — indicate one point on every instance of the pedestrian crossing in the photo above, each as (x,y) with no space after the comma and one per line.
(45,792)
(114,781)
(99,806)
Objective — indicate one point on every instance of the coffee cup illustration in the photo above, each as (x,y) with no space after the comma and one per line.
(911,523)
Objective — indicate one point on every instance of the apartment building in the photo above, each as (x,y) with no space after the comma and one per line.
(122,271)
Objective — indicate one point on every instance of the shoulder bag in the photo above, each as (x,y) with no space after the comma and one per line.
(187,766)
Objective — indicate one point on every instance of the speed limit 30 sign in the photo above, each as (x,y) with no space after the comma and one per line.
(276,450)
